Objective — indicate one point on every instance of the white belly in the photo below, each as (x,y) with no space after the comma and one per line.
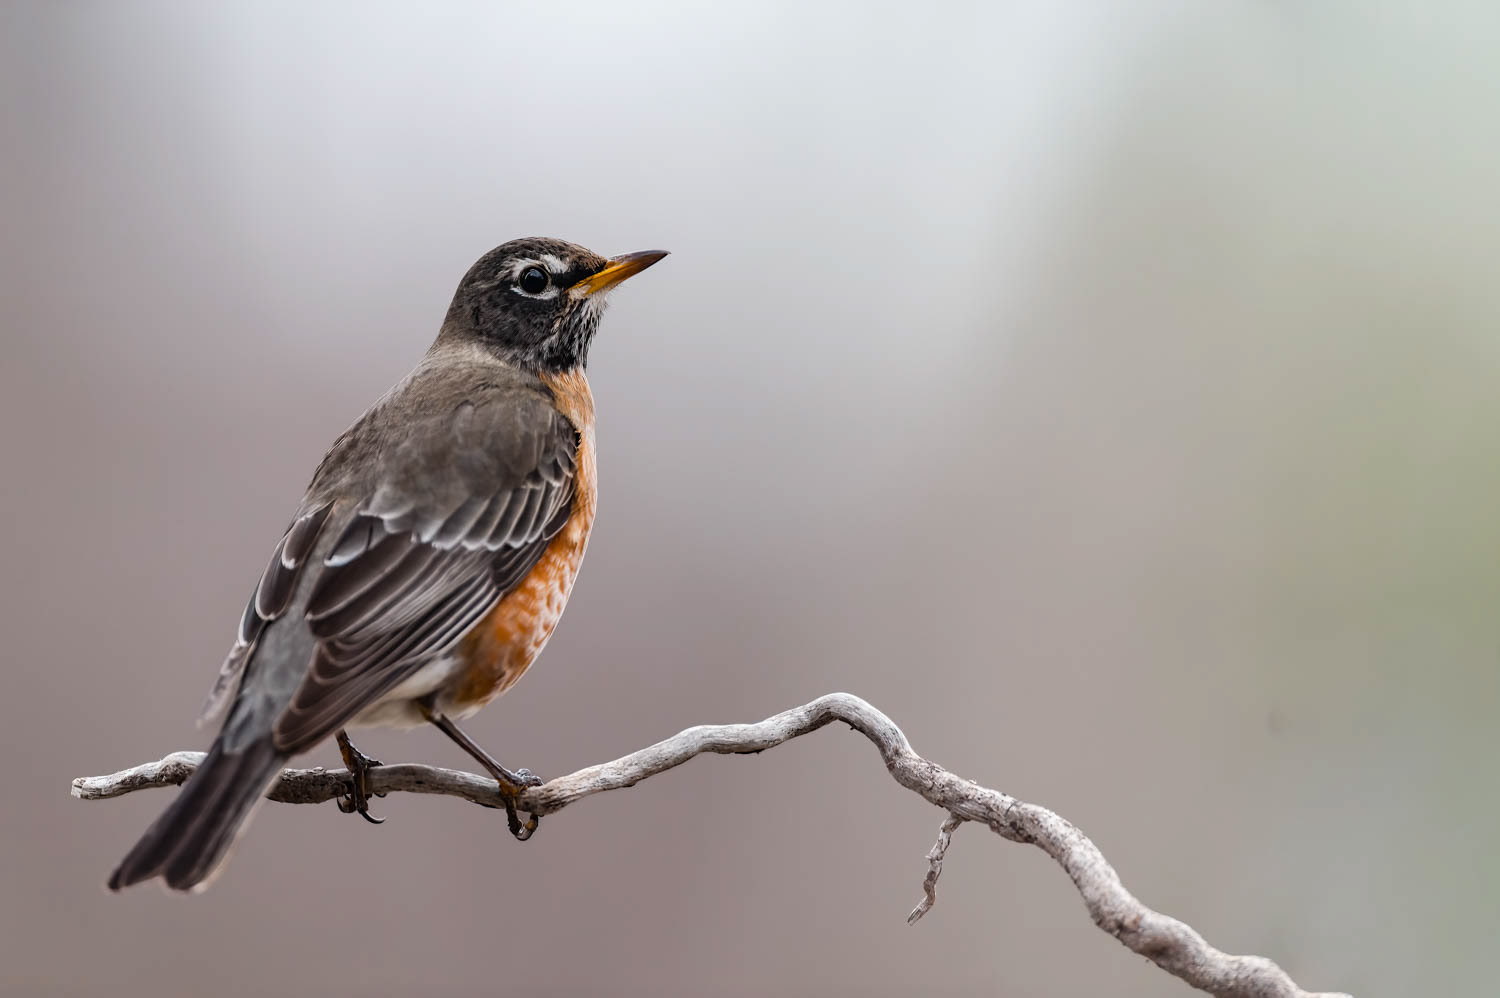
(397,709)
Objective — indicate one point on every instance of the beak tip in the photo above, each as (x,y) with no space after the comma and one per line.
(618,269)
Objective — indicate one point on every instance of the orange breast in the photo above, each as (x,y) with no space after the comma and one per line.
(502,646)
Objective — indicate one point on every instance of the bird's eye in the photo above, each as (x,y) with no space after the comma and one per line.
(534,280)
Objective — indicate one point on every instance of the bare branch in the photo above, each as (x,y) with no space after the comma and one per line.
(1167,942)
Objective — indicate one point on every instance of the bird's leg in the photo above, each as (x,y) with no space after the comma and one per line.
(512,785)
(359,766)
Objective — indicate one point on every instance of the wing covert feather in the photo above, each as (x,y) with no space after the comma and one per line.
(459,517)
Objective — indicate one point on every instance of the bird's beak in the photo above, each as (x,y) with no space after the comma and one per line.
(618,270)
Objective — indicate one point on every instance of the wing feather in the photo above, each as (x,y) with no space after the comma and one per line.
(429,550)
(269,600)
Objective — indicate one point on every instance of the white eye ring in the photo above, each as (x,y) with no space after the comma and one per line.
(525,278)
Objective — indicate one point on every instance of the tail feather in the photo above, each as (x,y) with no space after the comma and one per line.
(190,840)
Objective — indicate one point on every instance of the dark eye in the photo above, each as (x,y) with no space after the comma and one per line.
(534,280)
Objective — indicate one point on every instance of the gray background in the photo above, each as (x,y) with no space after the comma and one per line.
(1107,392)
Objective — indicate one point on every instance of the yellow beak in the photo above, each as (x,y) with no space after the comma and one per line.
(618,270)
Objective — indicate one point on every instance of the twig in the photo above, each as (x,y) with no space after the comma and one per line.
(934,868)
(1167,942)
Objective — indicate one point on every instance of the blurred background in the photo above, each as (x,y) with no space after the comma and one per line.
(1106,392)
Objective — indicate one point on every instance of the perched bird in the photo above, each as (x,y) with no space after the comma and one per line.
(429,561)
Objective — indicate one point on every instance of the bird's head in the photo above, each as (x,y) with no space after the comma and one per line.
(537,301)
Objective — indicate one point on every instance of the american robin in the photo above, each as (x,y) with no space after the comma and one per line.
(429,561)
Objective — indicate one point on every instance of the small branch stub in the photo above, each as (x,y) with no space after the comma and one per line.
(1172,945)
(934,868)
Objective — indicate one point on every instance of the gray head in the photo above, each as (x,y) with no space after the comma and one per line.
(537,301)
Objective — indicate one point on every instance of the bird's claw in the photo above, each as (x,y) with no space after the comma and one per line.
(519,781)
(349,805)
(509,787)
(521,830)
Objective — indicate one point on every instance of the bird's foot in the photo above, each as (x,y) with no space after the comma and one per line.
(522,779)
(511,786)
(359,766)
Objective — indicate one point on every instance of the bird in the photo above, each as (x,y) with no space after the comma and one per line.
(428,562)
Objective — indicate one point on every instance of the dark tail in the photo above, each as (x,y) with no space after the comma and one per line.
(193,836)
